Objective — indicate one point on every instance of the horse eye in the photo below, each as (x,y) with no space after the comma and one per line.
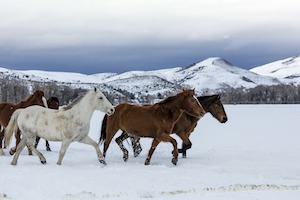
(101,98)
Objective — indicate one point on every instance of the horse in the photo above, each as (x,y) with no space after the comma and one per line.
(154,121)
(7,109)
(69,124)
(53,103)
(183,128)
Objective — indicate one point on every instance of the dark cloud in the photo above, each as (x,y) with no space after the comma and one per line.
(98,59)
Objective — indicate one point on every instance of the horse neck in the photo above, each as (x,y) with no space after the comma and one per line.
(173,109)
(30,101)
(205,103)
(82,109)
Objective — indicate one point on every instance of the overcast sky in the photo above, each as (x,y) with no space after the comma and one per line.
(95,36)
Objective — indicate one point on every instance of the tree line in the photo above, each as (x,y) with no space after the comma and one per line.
(14,90)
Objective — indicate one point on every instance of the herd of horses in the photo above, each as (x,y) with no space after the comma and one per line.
(36,118)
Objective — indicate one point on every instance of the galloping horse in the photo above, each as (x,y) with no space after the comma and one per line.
(7,109)
(183,128)
(156,121)
(53,103)
(68,124)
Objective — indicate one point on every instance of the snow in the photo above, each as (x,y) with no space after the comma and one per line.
(255,155)
(287,70)
(213,73)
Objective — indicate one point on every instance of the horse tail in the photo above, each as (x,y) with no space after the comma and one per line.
(103,130)
(12,126)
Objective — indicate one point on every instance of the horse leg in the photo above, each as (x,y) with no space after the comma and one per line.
(37,140)
(186,143)
(109,136)
(39,154)
(1,142)
(89,141)
(48,146)
(136,145)
(64,145)
(18,139)
(119,140)
(168,138)
(155,142)
(19,148)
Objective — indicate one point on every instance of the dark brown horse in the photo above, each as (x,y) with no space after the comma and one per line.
(156,121)
(53,103)
(7,109)
(183,128)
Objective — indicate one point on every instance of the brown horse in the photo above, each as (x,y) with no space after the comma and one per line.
(156,121)
(53,103)
(7,109)
(183,128)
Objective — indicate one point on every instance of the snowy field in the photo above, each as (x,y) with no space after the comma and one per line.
(255,155)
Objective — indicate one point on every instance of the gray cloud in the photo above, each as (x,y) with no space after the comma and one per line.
(119,35)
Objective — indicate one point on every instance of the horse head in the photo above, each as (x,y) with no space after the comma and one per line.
(191,104)
(213,105)
(38,98)
(102,103)
(53,103)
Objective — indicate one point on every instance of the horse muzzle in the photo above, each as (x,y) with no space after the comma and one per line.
(223,120)
(110,111)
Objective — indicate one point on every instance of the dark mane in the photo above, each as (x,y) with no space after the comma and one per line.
(208,100)
(69,106)
(167,100)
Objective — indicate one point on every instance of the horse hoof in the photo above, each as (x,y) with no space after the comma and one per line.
(137,151)
(125,156)
(13,163)
(174,161)
(48,149)
(102,162)
(147,162)
(11,152)
(43,162)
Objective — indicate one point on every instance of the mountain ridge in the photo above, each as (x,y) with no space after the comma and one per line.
(212,74)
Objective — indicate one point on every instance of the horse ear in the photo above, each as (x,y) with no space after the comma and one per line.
(95,89)
(218,97)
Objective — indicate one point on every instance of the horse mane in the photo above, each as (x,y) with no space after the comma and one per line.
(208,100)
(72,104)
(36,93)
(167,100)
(53,99)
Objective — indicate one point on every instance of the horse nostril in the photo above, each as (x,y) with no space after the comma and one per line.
(112,110)
(224,120)
(202,114)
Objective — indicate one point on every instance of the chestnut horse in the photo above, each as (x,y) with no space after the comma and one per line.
(155,121)
(183,128)
(7,109)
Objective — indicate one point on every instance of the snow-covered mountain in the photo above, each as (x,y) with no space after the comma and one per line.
(287,70)
(212,74)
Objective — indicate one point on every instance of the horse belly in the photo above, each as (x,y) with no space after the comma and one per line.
(140,128)
(49,136)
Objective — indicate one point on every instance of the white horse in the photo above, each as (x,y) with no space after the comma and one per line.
(68,124)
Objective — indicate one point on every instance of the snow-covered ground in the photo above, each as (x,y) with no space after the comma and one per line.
(255,155)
